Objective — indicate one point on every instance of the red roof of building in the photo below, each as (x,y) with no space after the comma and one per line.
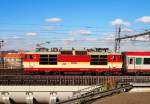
(11,55)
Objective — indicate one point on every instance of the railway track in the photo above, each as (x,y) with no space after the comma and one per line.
(69,80)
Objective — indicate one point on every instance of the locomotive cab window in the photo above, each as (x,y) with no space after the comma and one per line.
(147,61)
(138,61)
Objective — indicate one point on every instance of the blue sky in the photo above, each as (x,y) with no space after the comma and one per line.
(69,23)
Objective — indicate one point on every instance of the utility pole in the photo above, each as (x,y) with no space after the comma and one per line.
(1,59)
(1,43)
(118,38)
(117,41)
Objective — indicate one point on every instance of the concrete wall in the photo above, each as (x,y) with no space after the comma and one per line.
(43,94)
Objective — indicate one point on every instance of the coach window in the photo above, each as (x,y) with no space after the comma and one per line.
(130,60)
(138,61)
(147,61)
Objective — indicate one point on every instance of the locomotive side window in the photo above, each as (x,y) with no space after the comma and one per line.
(146,60)
(103,56)
(95,56)
(43,59)
(52,59)
(94,63)
(138,61)
(94,60)
(103,59)
(48,59)
(98,60)
(31,57)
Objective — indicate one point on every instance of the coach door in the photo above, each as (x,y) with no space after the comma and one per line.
(131,61)
(138,62)
(134,63)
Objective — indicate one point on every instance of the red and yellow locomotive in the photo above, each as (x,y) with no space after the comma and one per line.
(73,60)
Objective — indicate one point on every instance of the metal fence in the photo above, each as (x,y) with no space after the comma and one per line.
(69,80)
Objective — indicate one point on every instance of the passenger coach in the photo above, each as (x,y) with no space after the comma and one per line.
(137,61)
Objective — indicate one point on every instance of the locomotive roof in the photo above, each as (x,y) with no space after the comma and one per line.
(88,53)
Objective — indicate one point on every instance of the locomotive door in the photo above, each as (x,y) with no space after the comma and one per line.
(31,62)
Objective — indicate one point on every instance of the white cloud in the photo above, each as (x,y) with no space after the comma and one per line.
(144,38)
(109,39)
(51,27)
(144,19)
(55,19)
(69,41)
(81,32)
(140,38)
(127,30)
(91,39)
(31,33)
(119,21)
